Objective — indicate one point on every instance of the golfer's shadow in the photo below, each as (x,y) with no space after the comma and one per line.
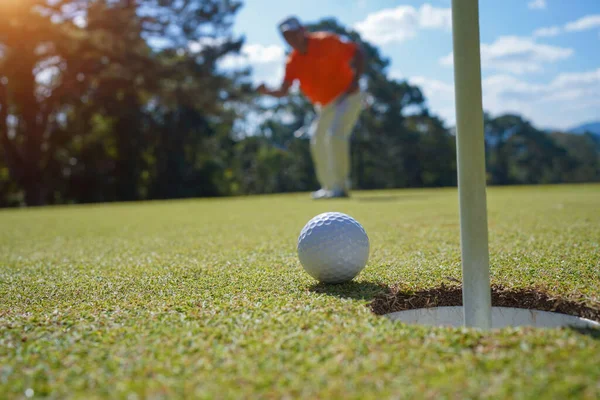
(594,333)
(390,198)
(351,290)
(376,199)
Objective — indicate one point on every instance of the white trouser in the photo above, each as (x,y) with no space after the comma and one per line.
(330,141)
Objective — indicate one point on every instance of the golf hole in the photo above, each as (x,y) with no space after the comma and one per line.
(502,317)
(442,306)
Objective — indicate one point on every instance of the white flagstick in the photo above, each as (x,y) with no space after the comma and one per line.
(471,164)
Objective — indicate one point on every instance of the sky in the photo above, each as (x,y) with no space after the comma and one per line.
(540,58)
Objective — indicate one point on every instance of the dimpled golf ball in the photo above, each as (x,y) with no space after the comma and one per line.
(333,247)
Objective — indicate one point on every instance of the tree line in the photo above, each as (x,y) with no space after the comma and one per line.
(121,100)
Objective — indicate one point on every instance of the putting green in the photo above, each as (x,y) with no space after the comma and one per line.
(206,299)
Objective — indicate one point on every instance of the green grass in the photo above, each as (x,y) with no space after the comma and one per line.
(207,299)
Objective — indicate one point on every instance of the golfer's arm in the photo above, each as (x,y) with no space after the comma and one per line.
(358,62)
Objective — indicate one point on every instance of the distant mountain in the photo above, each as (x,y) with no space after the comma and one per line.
(593,127)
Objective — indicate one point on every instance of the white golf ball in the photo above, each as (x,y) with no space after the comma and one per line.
(333,247)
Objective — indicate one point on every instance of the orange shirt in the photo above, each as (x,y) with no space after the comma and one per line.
(324,71)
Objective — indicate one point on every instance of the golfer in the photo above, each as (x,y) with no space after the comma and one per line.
(328,69)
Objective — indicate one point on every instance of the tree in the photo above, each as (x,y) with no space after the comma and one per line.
(30,64)
(106,100)
(124,82)
(583,148)
(518,153)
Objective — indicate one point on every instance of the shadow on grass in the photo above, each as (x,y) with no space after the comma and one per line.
(390,198)
(351,290)
(591,332)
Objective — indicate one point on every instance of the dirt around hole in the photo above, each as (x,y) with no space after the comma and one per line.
(397,299)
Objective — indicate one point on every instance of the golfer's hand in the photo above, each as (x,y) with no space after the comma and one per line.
(262,89)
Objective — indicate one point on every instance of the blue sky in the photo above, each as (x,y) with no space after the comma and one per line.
(540,58)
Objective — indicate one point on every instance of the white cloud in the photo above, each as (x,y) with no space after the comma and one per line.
(585,23)
(267,62)
(397,74)
(547,32)
(582,24)
(204,42)
(435,18)
(392,25)
(543,103)
(255,54)
(565,86)
(573,86)
(439,96)
(517,55)
(402,23)
(537,4)
(433,87)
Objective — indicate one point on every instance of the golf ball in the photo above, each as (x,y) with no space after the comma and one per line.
(333,247)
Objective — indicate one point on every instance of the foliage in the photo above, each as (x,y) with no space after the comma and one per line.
(119,100)
(130,101)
